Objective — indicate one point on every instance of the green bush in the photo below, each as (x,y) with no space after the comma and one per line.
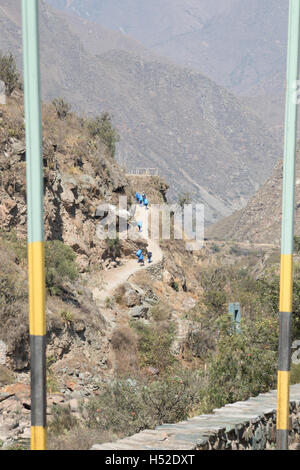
(60,266)
(244,364)
(9,74)
(101,127)
(154,344)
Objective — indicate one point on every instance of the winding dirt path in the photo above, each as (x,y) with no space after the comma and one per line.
(115,277)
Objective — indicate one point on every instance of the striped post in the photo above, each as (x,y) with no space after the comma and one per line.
(287,240)
(34,175)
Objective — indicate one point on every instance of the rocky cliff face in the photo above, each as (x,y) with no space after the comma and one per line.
(78,176)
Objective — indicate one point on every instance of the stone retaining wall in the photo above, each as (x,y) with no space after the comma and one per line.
(244,425)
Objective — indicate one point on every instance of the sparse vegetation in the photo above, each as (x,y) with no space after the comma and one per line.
(154,343)
(67,317)
(244,364)
(62,108)
(60,266)
(9,74)
(6,376)
(62,420)
(113,247)
(127,406)
(101,127)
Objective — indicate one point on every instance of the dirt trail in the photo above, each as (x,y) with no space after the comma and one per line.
(115,277)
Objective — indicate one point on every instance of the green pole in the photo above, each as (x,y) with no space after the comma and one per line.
(287,236)
(36,270)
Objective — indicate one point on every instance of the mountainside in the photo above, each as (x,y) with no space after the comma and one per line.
(129,346)
(260,220)
(149,22)
(170,118)
(240,45)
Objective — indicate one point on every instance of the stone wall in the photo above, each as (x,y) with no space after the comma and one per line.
(244,425)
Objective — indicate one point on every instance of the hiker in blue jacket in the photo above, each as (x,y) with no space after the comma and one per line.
(138,253)
(146,202)
(141,259)
(141,200)
(137,197)
(140,224)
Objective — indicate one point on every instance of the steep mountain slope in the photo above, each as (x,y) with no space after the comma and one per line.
(149,22)
(239,45)
(260,220)
(197,134)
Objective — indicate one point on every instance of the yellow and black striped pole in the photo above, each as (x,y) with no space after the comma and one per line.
(287,241)
(36,270)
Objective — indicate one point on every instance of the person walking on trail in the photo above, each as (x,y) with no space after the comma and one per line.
(141,259)
(139,253)
(137,197)
(141,200)
(140,224)
(149,256)
(146,202)
(144,196)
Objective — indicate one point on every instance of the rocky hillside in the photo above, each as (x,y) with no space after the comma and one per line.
(260,221)
(79,175)
(168,117)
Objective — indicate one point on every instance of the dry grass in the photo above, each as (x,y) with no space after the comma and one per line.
(124,344)
(80,439)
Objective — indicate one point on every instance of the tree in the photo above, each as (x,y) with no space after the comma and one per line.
(62,108)
(9,74)
(183,200)
(102,128)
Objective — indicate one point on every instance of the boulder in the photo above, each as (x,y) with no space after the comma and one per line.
(139,311)
(132,298)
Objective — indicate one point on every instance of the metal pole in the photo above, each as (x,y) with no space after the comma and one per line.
(36,270)
(287,241)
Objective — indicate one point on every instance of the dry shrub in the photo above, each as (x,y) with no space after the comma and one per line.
(80,439)
(13,308)
(124,343)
